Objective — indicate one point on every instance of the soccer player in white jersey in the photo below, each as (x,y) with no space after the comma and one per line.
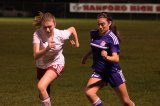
(106,69)
(47,50)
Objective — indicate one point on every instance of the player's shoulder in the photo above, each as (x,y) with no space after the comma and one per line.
(38,32)
(60,31)
(57,30)
(113,37)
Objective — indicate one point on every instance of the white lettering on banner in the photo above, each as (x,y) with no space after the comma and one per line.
(114,8)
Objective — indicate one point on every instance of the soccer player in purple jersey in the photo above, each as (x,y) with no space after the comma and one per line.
(106,69)
(48,44)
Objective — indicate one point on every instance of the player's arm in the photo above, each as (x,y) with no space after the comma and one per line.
(74,42)
(84,58)
(113,58)
(37,53)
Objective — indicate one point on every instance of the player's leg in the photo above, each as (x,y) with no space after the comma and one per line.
(43,83)
(121,90)
(40,73)
(117,81)
(93,85)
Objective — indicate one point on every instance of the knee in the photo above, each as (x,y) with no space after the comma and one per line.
(89,93)
(40,87)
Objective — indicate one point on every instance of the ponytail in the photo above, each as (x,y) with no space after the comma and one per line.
(37,19)
(43,17)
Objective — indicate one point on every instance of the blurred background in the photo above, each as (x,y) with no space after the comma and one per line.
(62,8)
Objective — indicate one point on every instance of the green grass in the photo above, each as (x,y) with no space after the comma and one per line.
(139,60)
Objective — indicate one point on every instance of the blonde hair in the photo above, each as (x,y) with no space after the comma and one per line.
(43,17)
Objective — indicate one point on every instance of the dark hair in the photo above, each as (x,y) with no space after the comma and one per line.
(113,27)
(104,15)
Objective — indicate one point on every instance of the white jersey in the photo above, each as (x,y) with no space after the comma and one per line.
(53,56)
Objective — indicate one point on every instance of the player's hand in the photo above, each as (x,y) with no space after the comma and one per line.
(51,43)
(104,53)
(74,44)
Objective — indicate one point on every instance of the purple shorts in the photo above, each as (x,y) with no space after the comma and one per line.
(114,79)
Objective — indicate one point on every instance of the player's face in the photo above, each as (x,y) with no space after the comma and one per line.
(48,26)
(103,25)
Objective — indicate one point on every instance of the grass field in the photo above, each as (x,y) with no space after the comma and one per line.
(139,60)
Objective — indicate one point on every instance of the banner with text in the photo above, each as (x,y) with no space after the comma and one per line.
(114,8)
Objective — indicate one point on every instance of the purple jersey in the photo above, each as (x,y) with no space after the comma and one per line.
(108,42)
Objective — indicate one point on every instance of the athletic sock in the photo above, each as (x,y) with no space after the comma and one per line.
(46,102)
(98,102)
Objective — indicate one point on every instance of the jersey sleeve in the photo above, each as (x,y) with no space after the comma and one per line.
(36,38)
(115,48)
(114,43)
(65,34)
